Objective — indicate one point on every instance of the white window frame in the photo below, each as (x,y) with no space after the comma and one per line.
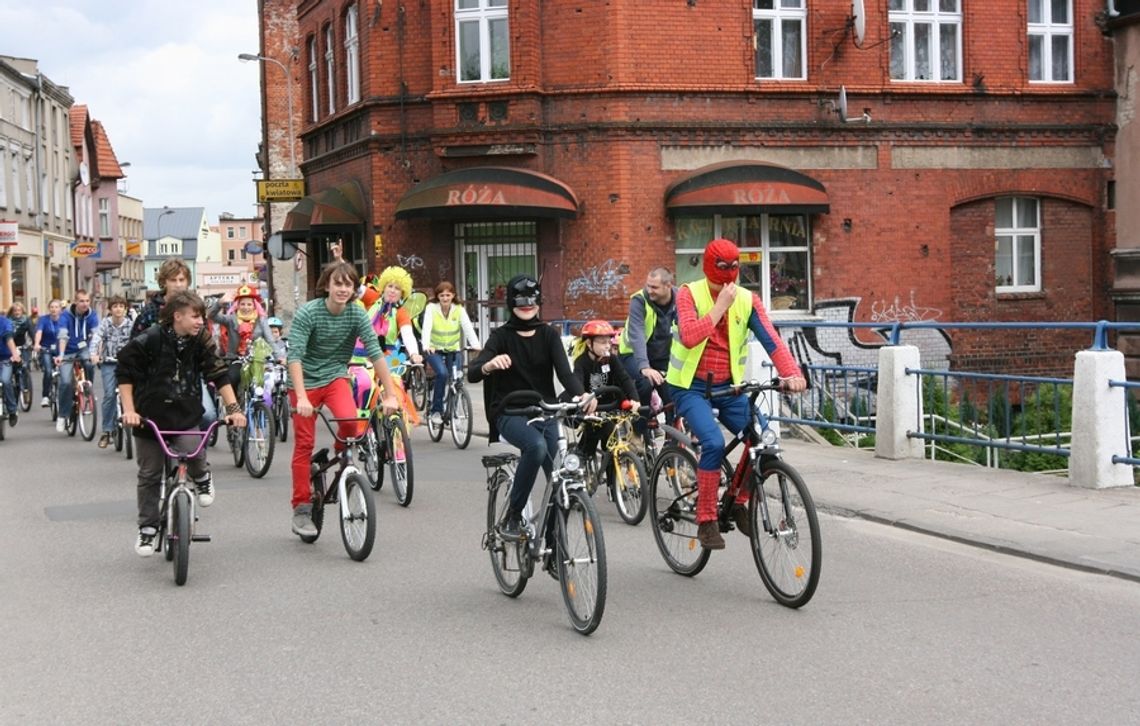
(330,67)
(1018,236)
(229,231)
(14,152)
(903,13)
(314,79)
(781,12)
(484,13)
(29,181)
(104,217)
(351,56)
(3,176)
(1047,31)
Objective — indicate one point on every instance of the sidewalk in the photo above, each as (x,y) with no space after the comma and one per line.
(1030,515)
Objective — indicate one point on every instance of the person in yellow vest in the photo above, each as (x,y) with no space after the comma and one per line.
(710,341)
(643,348)
(446,326)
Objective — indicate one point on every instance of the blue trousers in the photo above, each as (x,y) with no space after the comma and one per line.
(538,446)
(47,364)
(698,415)
(441,363)
(109,385)
(11,400)
(67,380)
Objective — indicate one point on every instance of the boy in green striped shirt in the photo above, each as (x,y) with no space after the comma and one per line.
(323,334)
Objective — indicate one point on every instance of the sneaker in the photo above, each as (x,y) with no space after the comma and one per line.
(205,491)
(144,545)
(550,566)
(743,521)
(436,419)
(709,535)
(59,425)
(12,419)
(105,440)
(512,528)
(303,521)
(44,402)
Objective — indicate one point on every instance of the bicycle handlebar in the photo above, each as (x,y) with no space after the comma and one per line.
(330,420)
(539,408)
(160,435)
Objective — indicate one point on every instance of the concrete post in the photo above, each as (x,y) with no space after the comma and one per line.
(1099,429)
(898,406)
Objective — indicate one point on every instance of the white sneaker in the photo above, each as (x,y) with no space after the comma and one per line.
(144,545)
(205,492)
(437,419)
(59,425)
(44,402)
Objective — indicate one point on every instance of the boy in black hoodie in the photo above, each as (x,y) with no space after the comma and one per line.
(160,376)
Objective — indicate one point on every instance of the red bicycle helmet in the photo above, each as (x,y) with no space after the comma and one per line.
(595,328)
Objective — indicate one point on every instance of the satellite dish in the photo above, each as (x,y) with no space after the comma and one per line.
(279,248)
(841,109)
(858,20)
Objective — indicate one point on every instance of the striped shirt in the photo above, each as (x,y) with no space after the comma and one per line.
(322,342)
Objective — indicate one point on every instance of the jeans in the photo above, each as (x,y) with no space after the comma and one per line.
(67,380)
(441,363)
(697,410)
(47,363)
(337,397)
(152,462)
(537,444)
(109,387)
(10,397)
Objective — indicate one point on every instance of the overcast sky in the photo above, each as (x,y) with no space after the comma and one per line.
(164,78)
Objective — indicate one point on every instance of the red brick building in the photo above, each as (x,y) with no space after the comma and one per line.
(936,159)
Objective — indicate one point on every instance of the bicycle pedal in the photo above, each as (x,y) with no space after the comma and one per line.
(199,538)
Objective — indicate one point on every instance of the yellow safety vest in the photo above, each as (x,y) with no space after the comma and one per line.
(624,348)
(683,361)
(445,332)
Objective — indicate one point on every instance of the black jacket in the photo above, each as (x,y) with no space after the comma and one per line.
(167,380)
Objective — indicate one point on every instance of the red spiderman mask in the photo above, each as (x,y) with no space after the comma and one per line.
(722,262)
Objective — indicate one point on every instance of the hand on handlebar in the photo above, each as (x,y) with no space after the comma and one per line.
(132,419)
(390,404)
(795,384)
(304,408)
(236,419)
(589,404)
(653,376)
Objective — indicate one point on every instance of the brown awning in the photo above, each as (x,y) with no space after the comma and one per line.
(745,187)
(489,192)
(326,211)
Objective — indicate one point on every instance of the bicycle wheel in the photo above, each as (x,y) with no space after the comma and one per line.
(506,557)
(258,440)
(180,536)
(318,514)
(673,510)
(417,387)
(71,425)
(581,553)
(461,418)
(785,534)
(53,400)
(235,437)
(26,392)
(627,477)
(281,416)
(357,518)
(87,415)
(435,431)
(400,460)
(370,456)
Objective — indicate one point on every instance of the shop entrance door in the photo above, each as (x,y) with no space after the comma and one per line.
(489,255)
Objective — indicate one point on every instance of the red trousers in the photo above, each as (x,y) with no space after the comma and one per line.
(337,397)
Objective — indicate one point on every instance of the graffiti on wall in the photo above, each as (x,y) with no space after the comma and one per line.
(411,262)
(841,346)
(444,269)
(604,280)
(883,312)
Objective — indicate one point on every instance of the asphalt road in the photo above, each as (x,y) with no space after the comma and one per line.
(903,629)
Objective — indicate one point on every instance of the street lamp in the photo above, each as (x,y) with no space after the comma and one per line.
(165,211)
(288,100)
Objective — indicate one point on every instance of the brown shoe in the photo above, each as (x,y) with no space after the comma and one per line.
(104,440)
(709,535)
(743,521)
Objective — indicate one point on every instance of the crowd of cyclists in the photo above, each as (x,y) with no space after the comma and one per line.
(681,344)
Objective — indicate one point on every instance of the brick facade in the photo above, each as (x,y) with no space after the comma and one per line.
(619,100)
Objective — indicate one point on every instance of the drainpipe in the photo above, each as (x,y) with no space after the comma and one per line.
(39,158)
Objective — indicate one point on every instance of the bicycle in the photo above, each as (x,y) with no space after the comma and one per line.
(178,508)
(565,534)
(256,440)
(280,400)
(122,437)
(417,386)
(388,439)
(53,394)
(456,408)
(83,413)
(22,380)
(785,537)
(357,507)
(3,412)
(618,461)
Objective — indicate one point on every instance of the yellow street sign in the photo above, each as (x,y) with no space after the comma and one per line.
(280,190)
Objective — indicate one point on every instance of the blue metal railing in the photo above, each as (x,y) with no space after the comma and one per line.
(1128,458)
